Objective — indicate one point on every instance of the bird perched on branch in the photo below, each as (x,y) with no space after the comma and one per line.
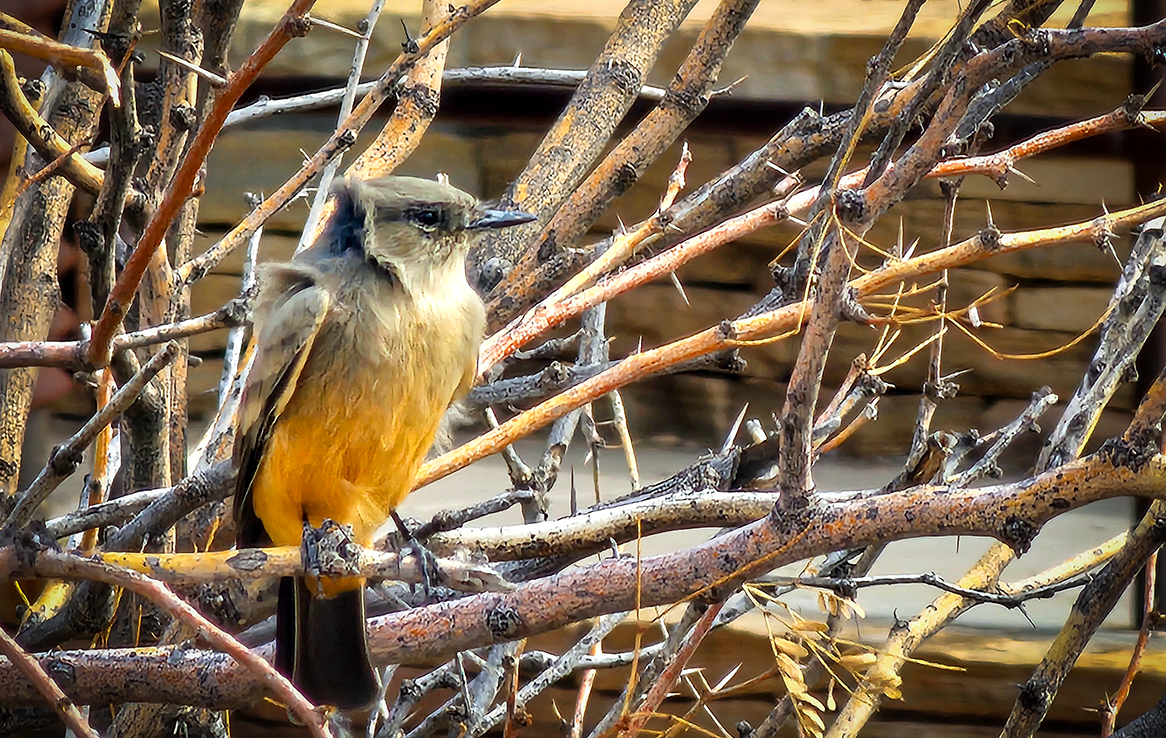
(362,342)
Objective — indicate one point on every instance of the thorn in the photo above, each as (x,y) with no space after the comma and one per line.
(409,46)
(212,78)
(679,288)
(1104,207)
(911,249)
(1013,170)
(442,177)
(898,252)
(335,27)
(731,437)
(574,494)
(728,89)
(622,229)
(991,222)
(517,60)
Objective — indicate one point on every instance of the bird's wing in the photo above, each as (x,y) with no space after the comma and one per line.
(281,350)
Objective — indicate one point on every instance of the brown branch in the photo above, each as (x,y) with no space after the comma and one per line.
(44,139)
(687,96)
(587,123)
(1012,512)
(1091,608)
(64,56)
(294,23)
(65,459)
(1149,618)
(35,673)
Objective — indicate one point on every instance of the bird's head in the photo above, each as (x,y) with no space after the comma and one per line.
(408,227)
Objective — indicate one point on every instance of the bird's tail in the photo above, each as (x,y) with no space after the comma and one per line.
(322,644)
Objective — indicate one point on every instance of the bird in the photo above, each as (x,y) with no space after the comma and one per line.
(362,341)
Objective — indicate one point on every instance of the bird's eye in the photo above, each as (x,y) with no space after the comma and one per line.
(427,218)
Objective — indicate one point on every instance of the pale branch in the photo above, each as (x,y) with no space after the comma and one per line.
(188,569)
(209,484)
(312,225)
(1093,605)
(418,99)
(266,107)
(903,640)
(43,138)
(1042,400)
(72,354)
(447,520)
(112,512)
(1137,303)
(570,661)
(65,458)
(49,689)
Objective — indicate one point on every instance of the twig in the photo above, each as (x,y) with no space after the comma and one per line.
(1092,606)
(64,459)
(294,23)
(563,666)
(312,224)
(663,684)
(1042,400)
(182,569)
(1003,599)
(902,641)
(158,593)
(266,107)
(344,137)
(44,139)
(65,56)
(763,326)
(45,684)
(1114,704)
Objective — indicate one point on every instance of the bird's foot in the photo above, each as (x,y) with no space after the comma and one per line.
(330,550)
(426,562)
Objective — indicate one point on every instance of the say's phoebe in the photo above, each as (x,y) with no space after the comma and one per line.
(362,342)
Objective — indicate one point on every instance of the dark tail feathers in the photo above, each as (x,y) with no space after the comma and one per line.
(322,645)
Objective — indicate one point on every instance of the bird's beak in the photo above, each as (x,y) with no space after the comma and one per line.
(501,219)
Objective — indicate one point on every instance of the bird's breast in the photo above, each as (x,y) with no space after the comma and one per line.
(363,415)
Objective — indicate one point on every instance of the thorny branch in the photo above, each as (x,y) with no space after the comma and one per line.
(766,528)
